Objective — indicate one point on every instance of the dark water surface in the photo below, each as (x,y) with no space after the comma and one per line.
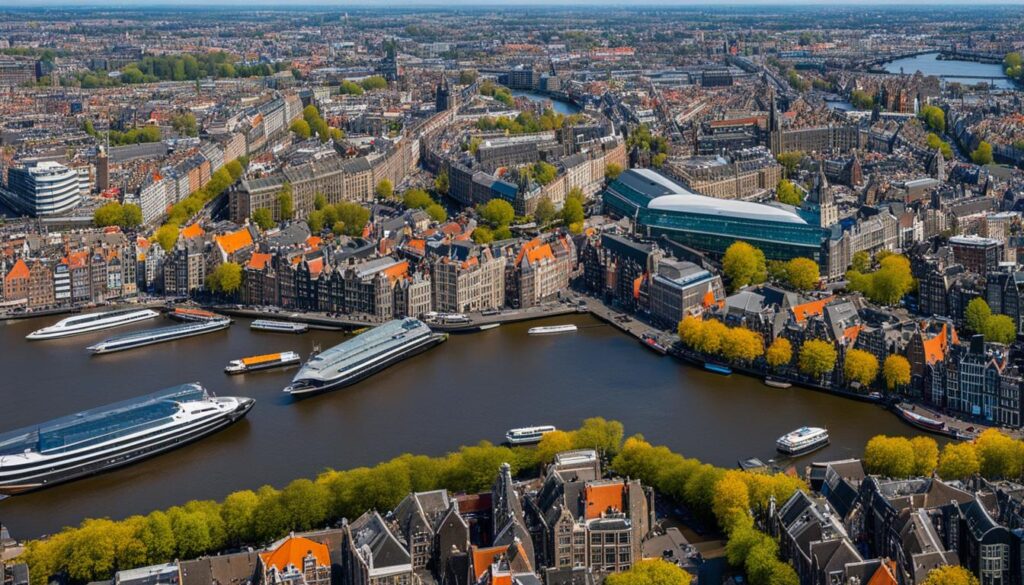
(471,388)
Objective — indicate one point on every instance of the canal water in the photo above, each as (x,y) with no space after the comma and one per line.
(561,106)
(930,64)
(471,388)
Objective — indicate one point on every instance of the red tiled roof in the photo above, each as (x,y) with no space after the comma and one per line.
(19,270)
(601,497)
(813,308)
(258,261)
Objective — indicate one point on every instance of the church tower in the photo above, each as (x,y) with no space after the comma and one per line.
(820,202)
(774,124)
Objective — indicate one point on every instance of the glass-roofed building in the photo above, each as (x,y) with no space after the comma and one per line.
(659,207)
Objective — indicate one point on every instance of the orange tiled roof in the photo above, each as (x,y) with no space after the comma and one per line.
(852,332)
(314,242)
(419,246)
(483,557)
(935,348)
(258,261)
(292,551)
(601,497)
(19,270)
(883,576)
(316,266)
(192,231)
(232,242)
(396,271)
(813,308)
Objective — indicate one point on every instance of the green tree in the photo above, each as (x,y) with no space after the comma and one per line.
(862,100)
(896,372)
(999,456)
(384,189)
(497,212)
(958,461)
(950,575)
(861,261)
(301,129)
(235,170)
(817,358)
(305,504)
(926,455)
(545,211)
(374,82)
(263,218)
(651,572)
(237,511)
(286,201)
(572,211)
(889,456)
(802,274)
(888,284)
(612,171)
(226,278)
(780,352)
(166,236)
(482,235)
(977,314)
(441,183)
(351,88)
(744,264)
(597,433)
(790,161)
(788,193)
(436,212)
(315,221)
(416,199)
(185,124)
(544,172)
(860,366)
(108,214)
(934,117)
(983,154)
(1000,329)
(353,216)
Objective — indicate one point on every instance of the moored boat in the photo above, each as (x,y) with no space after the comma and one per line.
(103,438)
(552,329)
(363,355)
(528,435)
(262,362)
(774,383)
(652,343)
(188,315)
(158,335)
(921,421)
(89,322)
(487,326)
(803,440)
(278,326)
(718,368)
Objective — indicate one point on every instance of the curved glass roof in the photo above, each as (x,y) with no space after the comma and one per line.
(703,205)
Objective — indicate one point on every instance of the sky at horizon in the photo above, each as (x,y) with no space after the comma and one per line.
(341,4)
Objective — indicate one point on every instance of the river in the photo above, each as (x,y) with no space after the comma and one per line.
(930,64)
(473,387)
(561,106)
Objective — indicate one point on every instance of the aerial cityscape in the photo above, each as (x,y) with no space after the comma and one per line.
(494,293)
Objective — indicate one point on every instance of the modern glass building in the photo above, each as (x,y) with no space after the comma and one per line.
(44,188)
(658,206)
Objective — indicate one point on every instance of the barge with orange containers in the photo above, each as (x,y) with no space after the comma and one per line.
(263,362)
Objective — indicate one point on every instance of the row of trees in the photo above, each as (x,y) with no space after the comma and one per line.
(745,265)
(139,135)
(126,216)
(183,210)
(527,122)
(993,455)
(725,497)
(312,123)
(195,66)
(97,548)
(712,337)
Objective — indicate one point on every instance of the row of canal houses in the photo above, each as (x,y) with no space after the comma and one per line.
(570,526)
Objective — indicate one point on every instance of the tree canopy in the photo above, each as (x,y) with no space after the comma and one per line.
(817,358)
(983,154)
(934,117)
(888,284)
(860,366)
(896,372)
(651,572)
(226,278)
(125,216)
(744,264)
(497,212)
